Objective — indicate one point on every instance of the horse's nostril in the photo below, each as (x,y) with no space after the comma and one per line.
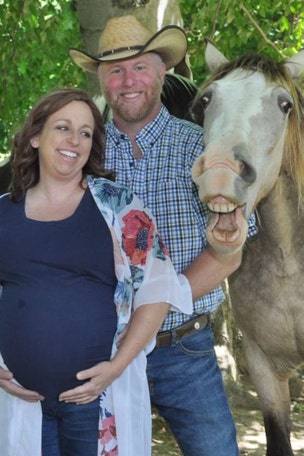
(247,172)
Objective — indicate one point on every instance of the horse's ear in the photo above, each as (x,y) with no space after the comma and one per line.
(295,64)
(213,57)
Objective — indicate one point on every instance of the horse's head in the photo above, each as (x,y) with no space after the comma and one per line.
(251,112)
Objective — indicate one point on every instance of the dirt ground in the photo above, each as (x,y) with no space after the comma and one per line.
(249,422)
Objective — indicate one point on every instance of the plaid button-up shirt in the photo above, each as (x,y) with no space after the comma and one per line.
(162,179)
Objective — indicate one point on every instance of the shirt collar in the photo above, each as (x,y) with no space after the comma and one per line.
(149,134)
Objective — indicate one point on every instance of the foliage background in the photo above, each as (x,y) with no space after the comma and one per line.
(34,39)
(272,27)
(35,36)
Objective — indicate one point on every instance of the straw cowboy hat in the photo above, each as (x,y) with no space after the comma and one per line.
(125,37)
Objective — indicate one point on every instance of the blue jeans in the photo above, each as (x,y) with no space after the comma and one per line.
(187,389)
(70,429)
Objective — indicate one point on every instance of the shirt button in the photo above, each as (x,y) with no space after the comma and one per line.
(197,325)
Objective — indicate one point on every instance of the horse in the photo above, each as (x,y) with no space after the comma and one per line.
(251,109)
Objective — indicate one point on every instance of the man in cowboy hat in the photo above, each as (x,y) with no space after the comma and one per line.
(152,152)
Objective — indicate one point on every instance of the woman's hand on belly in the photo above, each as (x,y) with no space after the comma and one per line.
(99,378)
(7,383)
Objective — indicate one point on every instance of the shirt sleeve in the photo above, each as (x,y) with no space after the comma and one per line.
(252,225)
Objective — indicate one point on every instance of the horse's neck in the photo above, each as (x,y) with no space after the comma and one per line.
(280,217)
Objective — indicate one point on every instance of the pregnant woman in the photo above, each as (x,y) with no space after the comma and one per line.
(80,262)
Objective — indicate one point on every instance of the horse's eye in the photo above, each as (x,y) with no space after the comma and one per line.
(205,99)
(285,104)
(199,106)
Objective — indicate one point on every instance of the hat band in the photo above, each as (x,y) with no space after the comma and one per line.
(122,49)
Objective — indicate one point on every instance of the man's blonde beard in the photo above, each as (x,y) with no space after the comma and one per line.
(132,112)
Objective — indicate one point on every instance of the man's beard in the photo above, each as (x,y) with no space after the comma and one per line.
(132,113)
(135,112)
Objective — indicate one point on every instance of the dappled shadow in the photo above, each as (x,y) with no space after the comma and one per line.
(249,422)
(251,435)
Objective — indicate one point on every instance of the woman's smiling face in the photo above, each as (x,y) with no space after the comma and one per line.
(65,141)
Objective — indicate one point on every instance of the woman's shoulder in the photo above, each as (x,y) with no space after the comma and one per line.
(5,199)
(6,204)
(112,194)
(106,184)
(4,195)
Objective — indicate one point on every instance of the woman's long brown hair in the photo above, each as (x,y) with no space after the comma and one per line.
(24,158)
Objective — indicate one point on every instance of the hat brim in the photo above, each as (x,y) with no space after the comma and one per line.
(170,43)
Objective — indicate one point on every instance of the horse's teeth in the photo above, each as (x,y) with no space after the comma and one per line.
(223,208)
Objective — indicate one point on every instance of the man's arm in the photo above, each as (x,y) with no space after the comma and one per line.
(209,269)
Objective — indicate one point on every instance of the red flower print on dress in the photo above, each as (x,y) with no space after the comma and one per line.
(107,436)
(108,430)
(113,452)
(138,234)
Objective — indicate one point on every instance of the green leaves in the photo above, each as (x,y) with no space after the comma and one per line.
(34,42)
(35,37)
(275,28)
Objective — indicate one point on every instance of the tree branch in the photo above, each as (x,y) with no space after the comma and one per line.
(256,25)
(214,22)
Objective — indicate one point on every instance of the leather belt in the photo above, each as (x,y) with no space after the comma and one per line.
(170,337)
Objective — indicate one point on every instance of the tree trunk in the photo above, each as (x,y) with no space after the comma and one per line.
(228,340)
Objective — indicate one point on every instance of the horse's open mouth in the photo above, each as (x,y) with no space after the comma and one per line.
(227,226)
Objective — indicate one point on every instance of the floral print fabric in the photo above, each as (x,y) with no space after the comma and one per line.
(144,275)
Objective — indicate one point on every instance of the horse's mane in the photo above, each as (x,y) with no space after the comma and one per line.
(275,72)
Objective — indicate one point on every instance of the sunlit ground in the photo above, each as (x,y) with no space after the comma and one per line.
(249,422)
